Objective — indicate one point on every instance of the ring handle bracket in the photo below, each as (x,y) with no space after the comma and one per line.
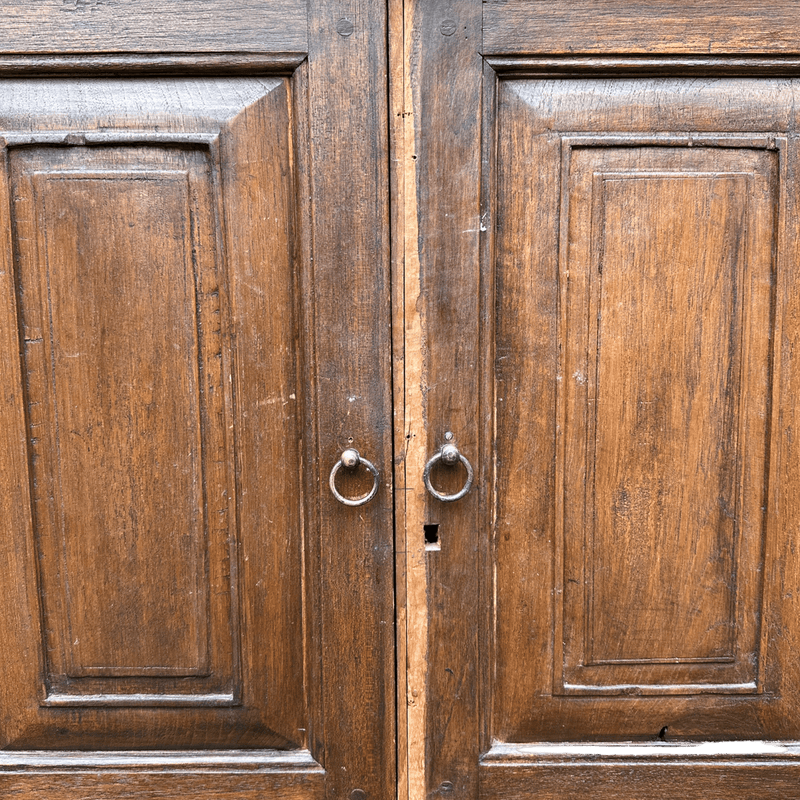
(351,459)
(449,455)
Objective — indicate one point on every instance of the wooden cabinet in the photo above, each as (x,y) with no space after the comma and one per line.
(550,249)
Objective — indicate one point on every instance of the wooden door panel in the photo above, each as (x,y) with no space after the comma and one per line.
(155,315)
(122,464)
(666,325)
(193,330)
(645,469)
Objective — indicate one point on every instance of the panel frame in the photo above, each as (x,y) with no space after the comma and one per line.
(425,97)
(349,668)
(526,767)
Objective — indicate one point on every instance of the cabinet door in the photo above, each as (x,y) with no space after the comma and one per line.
(608,264)
(187,611)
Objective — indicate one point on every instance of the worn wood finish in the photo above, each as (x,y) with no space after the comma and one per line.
(652,26)
(442,77)
(608,772)
(157,776)
(663,410)
(349,291)
(193,334)
(151,26)
(636,577)
(138,521)
(573,513)
(105,64)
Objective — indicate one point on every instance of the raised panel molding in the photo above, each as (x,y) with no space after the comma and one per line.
(662,528)
(643,264)
(151,234)
(128,425)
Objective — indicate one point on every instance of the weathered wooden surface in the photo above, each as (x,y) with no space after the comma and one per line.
(152,26)
(347,286)
(195,271)
(635,575)
(641,26)
(440,163)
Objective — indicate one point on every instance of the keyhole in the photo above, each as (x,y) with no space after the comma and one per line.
(432,536)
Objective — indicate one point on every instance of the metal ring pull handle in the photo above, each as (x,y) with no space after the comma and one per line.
(449,455)
(350,460)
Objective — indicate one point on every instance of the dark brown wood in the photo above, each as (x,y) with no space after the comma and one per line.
(155,776)
(636,576)
(104,64)
(605,530)
(150,26)
(753,769)
(130,287)
(348,294)
(641,26)
(443,74)
(645,66)
(190,317)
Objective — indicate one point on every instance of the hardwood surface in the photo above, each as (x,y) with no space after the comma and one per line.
(149,555)
(152,26)
(639,26)
(632,593)
(195,327)
(442,219)
(626,573)
(573,238)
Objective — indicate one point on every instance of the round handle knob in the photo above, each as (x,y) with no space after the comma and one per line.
(350,459)
(449,455)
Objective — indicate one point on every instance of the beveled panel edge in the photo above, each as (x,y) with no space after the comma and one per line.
(639,66)
(569,141)
(32,761)
(502,753)
(204,144)
(77,138)
(61,700)
(107,64)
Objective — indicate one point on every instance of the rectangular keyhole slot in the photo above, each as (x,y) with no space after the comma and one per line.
(432,536)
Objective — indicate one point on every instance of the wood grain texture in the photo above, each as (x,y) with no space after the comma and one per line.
(443,76)
(655,26)
(347,302)
(669,251)
(209,324)
(150,26)
(158,776)
(745,770)
(106,65)
(111,370)
(553,247)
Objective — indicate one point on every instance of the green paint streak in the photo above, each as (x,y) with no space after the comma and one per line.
(702,749)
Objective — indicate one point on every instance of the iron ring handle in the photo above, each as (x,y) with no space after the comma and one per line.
(448,454)
(350,459)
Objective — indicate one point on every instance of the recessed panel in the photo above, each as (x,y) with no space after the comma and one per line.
(644,257)
(666,258)
(120,301)
(157,598)
(667,379)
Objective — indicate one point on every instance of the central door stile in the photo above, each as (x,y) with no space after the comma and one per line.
(437,224)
